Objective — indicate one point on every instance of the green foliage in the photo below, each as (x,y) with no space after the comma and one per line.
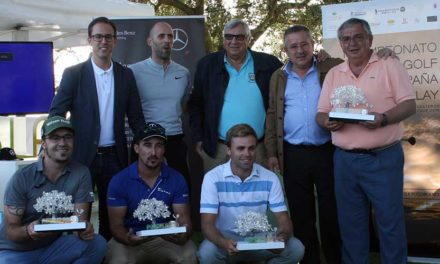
(266,18)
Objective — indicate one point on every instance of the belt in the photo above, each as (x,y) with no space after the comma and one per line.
(224,141)
(308,147)
(106,150)
(372,151)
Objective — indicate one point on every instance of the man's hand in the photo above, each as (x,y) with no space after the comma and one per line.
(333,125)
(272,163)
(230,246)
(199,148)
(88,233)
(38,235)
(133,240)
(322,55)
(386,53)
(373,124)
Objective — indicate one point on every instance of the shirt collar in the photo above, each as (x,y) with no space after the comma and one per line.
(246,59)
(227,171)
(40,168)
(100,71)
(287,68)
(133,172)
(154,64)
(346,68)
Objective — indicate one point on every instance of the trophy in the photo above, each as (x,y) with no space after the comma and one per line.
(256,232)
(152,209)
(59,207)
(349,105)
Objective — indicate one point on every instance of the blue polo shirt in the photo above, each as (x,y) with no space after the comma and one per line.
(243,102)
(127,189)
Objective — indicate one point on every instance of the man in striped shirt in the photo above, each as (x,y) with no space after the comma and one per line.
(238,186)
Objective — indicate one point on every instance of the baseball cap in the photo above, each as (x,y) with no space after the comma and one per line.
(150,130)
(53,123)
(8,154)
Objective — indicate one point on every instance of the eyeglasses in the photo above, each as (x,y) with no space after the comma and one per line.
(356,38)
(238,37)
(303,46)
(57,138)
(100,37)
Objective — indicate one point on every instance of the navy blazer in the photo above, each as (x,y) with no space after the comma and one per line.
(77,94)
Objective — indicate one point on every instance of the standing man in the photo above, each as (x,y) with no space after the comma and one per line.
(238,186)
(54,170)
(99,93)
(368,160)
(148,178)
(299,148)
(164,87)
(231,86)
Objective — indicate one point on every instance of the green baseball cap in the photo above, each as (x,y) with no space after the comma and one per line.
(53,123)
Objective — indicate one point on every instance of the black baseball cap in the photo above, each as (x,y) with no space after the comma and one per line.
(8,154)
(150,130)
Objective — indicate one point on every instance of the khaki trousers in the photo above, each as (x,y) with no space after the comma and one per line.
(157,251)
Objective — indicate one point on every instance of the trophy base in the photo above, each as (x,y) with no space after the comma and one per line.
(162,231)
(241,245)
(60,227)
(350,117)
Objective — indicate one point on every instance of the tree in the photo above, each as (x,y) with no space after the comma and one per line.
(264,17)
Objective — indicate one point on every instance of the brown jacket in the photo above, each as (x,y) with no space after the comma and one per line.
(274,135)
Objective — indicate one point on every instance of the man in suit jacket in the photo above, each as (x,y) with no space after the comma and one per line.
(99,93)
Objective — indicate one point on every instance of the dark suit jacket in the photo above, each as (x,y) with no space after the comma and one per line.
(77,94)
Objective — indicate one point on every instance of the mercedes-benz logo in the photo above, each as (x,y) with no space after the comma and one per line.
(180,40)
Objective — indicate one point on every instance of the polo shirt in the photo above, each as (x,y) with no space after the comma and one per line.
(243,102)
(385,83)
(226,195)
(162,92)
(300,102)
(127,189)
(29,183)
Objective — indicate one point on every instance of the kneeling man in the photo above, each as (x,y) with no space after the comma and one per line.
(148,178)
(235,187)
(19,243)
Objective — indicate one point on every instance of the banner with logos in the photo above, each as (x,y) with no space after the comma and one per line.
(412,30)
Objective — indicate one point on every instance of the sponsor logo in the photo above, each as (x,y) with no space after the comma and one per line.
(357,13)
(431,19)
(391,22)
(180,40)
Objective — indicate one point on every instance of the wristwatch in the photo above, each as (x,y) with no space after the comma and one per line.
(384,120)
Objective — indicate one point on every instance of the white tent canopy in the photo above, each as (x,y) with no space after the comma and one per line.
(62,21)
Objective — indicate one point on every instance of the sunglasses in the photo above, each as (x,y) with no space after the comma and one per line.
(238,37)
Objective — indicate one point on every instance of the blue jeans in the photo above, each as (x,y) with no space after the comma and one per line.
(209,253)
(66,249)
(376,179)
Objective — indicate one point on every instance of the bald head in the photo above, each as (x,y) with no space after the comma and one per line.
(161,42)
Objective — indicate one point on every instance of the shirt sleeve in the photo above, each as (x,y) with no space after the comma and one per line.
(181,193)
(85,191)
(209,202)
(324,105)
(116,192)
(276,196)
(15,193)
(400,81)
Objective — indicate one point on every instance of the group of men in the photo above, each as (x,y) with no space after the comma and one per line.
(250,119)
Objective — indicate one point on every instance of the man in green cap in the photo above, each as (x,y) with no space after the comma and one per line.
(19,242)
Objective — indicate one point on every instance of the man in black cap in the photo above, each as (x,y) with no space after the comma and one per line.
(19,242)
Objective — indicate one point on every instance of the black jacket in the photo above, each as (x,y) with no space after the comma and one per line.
(210,83)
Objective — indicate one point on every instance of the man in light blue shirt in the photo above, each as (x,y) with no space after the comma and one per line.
(237,187)
(299,148)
